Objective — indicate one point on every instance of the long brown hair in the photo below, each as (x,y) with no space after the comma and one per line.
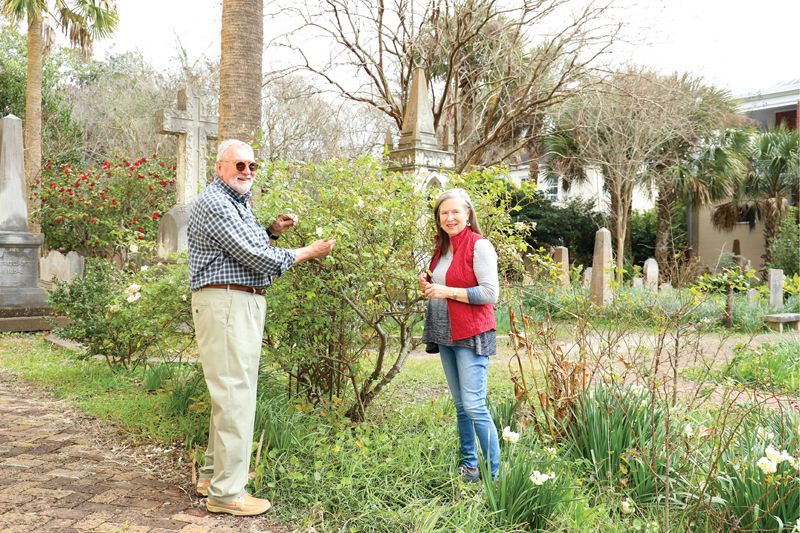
(442,238)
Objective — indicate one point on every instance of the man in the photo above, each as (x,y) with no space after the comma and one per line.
(231,263)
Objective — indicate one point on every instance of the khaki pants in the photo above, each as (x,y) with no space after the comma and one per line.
(229,326)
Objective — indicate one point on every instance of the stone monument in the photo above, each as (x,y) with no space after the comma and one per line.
(775,281)
(193,130)
(561,258)
(602,265)
(23,304)
(650,270)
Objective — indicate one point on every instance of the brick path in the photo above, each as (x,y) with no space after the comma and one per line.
(63,471)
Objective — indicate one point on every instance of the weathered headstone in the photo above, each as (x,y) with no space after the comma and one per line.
(666,286)
(60,267)
(193,130)
(561,258)
(587,277)
(602,266)
(650,270)
(23,304)
(775,282)
(751,296)
(638,282)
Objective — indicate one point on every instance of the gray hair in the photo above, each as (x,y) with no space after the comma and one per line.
(227,143)
(472,219)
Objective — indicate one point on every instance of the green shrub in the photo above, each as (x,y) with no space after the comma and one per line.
(785,248)
(125,316)
(103,211)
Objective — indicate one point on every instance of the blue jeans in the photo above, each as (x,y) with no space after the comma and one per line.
(467,375)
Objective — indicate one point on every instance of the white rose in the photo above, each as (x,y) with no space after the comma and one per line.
(144,268)
(537,478)
(688,432)
(135,296)
(133,289)
(320,231)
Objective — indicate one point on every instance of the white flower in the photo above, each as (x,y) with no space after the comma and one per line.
(133,289)
(796,526)
(767,466)
(775,456)
(134,248)
(320,231)
(627,506)
(764,433)
(688,432)
(135,296)
(360,203)
(510,436)
(537,478)
(184,297)
(552,452)
(794,462)
(144,268)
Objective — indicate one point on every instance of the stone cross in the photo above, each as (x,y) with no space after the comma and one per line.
(193,130)
(651,274)
(22,302)
(775,282)
(602,264)
(561,258)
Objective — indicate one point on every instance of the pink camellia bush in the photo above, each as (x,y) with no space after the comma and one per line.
(101,210)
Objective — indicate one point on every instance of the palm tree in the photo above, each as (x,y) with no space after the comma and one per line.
(771,183)
(240,69)
(83,21)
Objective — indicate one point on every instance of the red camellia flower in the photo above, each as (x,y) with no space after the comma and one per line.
(94,221)
(141,237)
(150,187)
(156,215)
(136,219)
(140,229)
(52,185)
(163,183)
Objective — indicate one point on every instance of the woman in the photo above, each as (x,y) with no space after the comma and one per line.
(462,290)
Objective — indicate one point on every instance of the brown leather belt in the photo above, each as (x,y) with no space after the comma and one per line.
(235,287)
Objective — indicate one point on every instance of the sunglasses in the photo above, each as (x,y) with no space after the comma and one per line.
(241,165)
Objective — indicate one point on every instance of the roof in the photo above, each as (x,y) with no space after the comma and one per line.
(783,94)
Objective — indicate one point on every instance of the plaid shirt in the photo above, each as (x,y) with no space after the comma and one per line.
(228,245)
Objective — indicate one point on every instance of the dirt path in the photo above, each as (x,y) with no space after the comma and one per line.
(63,471)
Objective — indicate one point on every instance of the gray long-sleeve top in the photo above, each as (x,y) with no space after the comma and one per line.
(437,321)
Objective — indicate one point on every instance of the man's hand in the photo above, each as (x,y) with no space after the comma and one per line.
(282,223)
(315,250)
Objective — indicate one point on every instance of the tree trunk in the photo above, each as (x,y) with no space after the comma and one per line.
(664,205)
(240,70)
(33,112)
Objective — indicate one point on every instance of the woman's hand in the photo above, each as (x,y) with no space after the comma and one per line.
(434,290)
(423,282)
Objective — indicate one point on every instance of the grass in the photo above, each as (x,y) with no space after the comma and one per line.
(92,387)
(771,366)
(395,472)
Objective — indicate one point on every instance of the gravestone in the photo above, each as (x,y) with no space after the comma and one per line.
(23,304)
(775,282)
(193,130)
(638,282)
(587,277)
(751,296)
(561,258)
(666,286)
(60,267)
(602,266)
(650,270)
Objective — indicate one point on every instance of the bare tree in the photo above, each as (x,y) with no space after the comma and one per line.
(495,68)
(621,128)
(302,125)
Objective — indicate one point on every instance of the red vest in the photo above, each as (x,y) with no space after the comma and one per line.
(466,320)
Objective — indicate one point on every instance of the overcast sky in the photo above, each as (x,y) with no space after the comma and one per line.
(738,45)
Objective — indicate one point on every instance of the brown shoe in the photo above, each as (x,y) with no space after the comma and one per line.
(202,486)
(244,505)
